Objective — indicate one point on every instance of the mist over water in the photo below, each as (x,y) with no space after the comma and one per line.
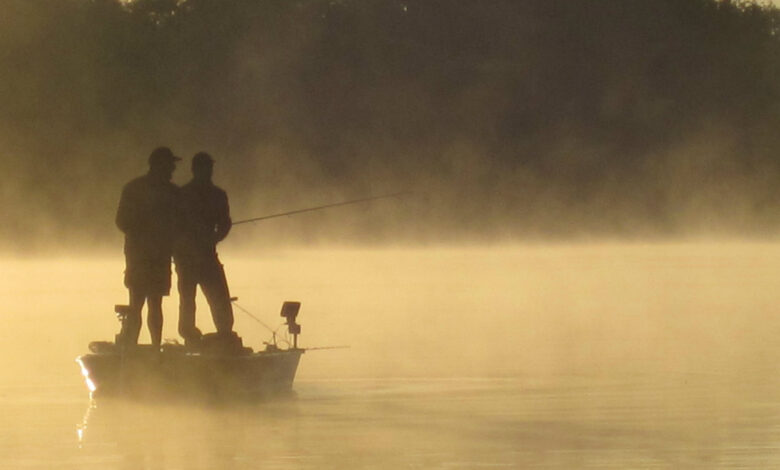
(534,356)
(581,273)
(447,312)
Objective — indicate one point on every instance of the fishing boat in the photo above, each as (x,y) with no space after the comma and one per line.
(215,368)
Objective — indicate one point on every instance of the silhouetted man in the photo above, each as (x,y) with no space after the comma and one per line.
(205,222)
(147,215)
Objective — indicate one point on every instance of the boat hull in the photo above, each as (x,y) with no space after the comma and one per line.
(142,372)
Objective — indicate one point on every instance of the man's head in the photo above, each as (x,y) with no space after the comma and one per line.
(202,166)
(162,162)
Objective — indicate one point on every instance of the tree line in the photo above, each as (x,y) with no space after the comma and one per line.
(531,118)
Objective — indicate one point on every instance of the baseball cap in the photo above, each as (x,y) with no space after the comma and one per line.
(162,155)
(202,158)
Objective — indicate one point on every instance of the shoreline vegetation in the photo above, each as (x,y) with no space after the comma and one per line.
(508,120)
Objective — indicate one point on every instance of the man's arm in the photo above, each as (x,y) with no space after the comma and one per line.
(125,213)
(224,223)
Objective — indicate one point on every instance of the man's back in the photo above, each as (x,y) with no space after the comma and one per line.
(205,216)
(147,215)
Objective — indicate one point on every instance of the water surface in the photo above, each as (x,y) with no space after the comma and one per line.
(594,356)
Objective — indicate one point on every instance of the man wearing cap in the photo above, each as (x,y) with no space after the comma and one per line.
(205,222)
(147,215)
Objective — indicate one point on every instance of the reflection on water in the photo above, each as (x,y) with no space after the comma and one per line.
(565,422)
(542,357)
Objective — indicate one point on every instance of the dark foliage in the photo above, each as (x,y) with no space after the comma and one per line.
(532,117)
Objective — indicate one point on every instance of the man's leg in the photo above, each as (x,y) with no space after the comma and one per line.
(187,288)
(154,318)
(215,288)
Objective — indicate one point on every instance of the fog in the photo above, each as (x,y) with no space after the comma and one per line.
(595,309)
(505,120)
(580,271)
(604,355)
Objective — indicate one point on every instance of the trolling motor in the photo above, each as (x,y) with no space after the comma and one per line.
(119,344)
(122,312)
(290,312)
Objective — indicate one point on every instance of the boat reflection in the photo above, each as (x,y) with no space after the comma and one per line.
(137,434)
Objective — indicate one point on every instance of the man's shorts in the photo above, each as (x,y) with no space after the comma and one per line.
(148,276)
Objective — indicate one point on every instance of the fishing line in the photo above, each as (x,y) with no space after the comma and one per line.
(273,332)
(254,317)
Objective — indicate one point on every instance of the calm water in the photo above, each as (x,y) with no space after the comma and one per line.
(600,356)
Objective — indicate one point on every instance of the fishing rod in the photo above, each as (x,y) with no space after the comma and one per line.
(326,206)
